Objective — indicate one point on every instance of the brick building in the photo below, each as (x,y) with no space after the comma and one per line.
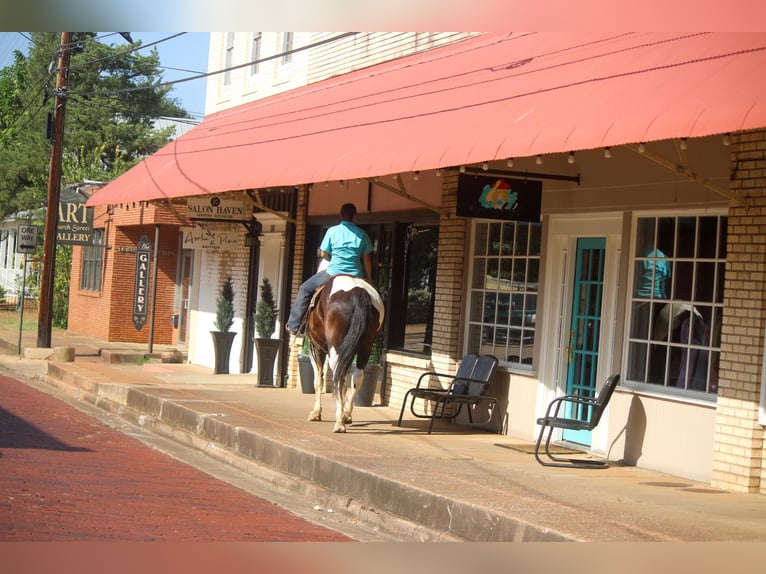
(646,258)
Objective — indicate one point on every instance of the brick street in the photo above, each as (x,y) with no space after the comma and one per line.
(67,477)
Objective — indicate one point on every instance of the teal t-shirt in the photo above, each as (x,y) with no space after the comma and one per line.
(346,242)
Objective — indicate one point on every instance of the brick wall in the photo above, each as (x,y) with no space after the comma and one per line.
(107,314)
(738,450)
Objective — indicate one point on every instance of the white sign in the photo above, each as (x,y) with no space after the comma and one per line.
(27,239)
(217,208)
(200,238)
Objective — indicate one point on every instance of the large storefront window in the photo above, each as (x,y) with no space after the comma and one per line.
(677,302)
(504,283)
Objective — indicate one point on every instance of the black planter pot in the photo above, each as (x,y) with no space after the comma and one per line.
(366,395)
(306,371)
(222,341)
(266,351)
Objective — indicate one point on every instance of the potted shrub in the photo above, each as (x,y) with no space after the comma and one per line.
(224,319)
(265,318)
(372,372)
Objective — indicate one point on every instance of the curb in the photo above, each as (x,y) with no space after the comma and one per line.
(399,510)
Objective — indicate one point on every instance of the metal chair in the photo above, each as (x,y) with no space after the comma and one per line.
(552,420)
(466,387)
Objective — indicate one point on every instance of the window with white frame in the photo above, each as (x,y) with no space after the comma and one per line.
(228,58)
(504,285)
(287,47)
(676,303)
(255,52)
(92,260)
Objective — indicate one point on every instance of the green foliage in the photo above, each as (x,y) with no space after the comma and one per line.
(113,97)
(224,307)
(60,310)
(266,311)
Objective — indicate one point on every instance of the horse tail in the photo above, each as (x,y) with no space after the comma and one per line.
(361,316)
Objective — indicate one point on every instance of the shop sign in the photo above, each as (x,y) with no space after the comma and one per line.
(141,288)
(202,238)
(499,198)
(75,224)
(216,208)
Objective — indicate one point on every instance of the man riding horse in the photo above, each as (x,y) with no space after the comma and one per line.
(348,248)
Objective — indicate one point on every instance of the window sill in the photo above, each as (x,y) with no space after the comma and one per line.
(668,394)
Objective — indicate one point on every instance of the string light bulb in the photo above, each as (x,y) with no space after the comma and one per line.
(641,147)
(727,139)
(462,169)
(509,163)
(607,152)
(571,157)
(438,173)
(416,176)
(539,160)
(485,166)
(683,144)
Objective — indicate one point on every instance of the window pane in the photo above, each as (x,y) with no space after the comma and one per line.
(675,336)
(504,290)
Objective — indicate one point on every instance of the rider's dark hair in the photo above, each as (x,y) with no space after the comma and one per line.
(348,211)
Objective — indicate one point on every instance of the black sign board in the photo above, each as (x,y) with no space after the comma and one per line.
(75,224)
(141,289)
(499,198)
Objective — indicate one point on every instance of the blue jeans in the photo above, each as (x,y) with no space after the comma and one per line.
(301,304)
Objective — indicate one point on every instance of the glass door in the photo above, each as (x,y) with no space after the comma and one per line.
(585,329)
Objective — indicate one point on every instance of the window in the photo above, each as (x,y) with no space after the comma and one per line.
(504,284)
(255,53)
(287,47)
(90,273)
(676,303)
(228,58)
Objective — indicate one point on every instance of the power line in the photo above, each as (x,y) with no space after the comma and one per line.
(224,70)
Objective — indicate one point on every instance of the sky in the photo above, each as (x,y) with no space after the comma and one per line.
(180,57)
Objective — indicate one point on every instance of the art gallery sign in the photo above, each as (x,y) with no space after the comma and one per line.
(75,224)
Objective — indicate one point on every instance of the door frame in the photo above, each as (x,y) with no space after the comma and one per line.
(560,252)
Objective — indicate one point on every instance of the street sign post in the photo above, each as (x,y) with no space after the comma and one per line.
(27,239)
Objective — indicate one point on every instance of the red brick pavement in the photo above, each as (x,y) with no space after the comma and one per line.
(67,477)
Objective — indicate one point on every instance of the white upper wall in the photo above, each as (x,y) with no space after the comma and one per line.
(277,73)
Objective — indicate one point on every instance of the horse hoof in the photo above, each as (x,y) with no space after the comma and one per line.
(313,417)
(339,428)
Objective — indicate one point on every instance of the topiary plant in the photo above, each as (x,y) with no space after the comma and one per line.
(266,311)
(224,307)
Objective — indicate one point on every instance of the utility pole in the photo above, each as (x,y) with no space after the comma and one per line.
(45,317)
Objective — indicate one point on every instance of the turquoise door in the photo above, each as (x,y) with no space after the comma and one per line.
(585,327)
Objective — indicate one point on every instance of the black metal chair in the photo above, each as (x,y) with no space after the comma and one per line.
(466,387)
(553,420)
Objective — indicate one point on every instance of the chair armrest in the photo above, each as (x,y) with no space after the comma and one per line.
(465,380)
(572,399)
(435,374)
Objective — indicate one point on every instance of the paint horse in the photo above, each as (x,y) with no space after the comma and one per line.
(342,325)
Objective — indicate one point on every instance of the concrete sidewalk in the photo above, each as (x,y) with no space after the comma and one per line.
(455,484)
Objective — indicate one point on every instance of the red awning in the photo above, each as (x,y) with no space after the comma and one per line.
(491,97)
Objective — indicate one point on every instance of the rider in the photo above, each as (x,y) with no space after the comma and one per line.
(348,248)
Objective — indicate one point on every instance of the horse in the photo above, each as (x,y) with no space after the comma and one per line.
(342,324)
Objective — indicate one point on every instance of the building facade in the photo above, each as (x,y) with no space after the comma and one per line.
(635,253)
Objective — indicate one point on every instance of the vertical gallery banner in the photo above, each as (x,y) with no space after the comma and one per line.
(140,298)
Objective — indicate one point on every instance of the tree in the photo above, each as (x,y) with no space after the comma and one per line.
(266,311)
(113,97)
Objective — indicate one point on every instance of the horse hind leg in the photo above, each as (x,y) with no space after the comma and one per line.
(356,377)
(339,393)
